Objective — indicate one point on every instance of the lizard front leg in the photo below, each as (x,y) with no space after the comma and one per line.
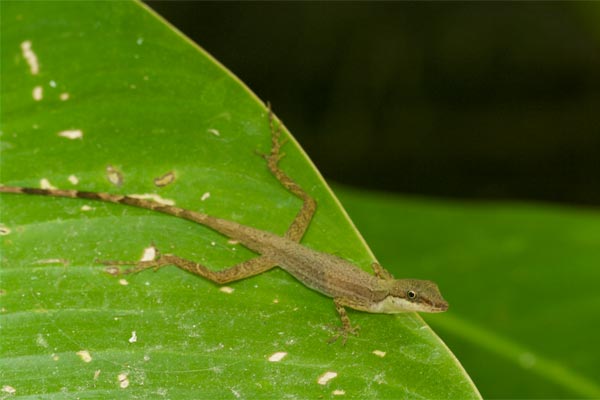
(346,328)
(381,272)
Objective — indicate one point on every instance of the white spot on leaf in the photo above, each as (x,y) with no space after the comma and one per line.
(133,337)
(38,93)
(338,392)
(9,389)
(123,380)
(149,254)
(84,355)
(114,175)
(379,353)
(326,377)
(85,207)
(40,340)
(123,282)
(214,132)
(205,196)
(4,230)
(165,180)
(153,197)
(226,289)
(30,57)
(64,96)
(71,134)
(276,357)
(73,179)
(45,184)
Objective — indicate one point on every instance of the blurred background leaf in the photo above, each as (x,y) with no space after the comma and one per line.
(473,99)
(88,88)
(521,280)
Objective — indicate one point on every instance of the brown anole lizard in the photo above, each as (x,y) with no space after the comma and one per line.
(347,284)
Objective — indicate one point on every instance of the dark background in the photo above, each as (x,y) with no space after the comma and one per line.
(470,100)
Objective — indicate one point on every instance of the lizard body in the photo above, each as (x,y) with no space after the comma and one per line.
(330,275)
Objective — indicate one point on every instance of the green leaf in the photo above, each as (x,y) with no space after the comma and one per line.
(145,101)
(521,280)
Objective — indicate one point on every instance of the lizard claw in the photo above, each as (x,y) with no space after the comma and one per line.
(343,332)
(268,156)
(112,266)
(261,154)
(137,266)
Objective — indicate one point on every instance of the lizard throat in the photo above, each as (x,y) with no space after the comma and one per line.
(396,305)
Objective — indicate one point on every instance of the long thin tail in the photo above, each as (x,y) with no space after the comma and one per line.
(113,198)
(244,234)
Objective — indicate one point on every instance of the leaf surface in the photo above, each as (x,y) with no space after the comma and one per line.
(107,98)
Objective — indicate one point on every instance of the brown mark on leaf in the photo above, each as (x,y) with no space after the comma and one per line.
(114,175)
(165,180)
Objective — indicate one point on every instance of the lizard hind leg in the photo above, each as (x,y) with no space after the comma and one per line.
(237,272)
(302,220)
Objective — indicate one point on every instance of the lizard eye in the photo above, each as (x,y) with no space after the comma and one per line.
(411,294)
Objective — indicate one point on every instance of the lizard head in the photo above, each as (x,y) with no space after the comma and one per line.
(407,295)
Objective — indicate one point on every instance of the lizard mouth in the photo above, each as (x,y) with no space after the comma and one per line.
(437,307)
